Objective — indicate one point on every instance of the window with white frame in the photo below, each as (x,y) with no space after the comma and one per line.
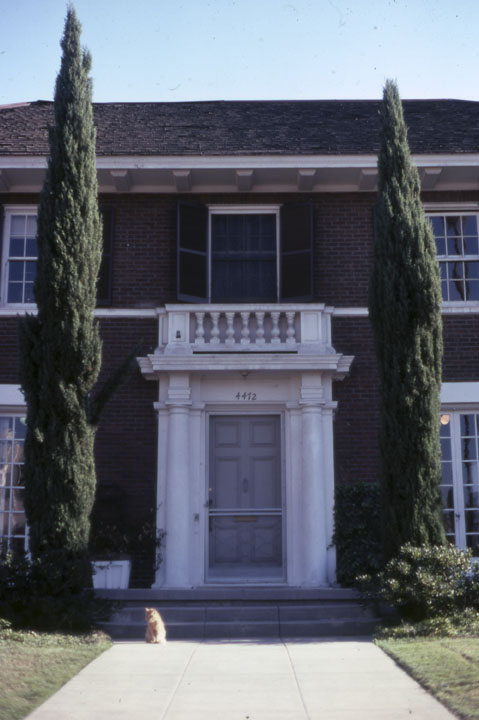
(19,255)
(13,534)
(244,253)
(457,243)
(460,477)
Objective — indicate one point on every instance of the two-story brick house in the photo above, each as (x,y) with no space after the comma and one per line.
(237,249)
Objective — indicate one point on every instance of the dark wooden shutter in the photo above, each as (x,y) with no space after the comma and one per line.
(103,290)
(296,245)
(192,252)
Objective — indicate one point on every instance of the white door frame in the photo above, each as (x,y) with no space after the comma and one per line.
(246,412)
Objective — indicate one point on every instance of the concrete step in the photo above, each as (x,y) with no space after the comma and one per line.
(234,619)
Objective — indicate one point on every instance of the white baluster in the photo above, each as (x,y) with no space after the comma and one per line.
(245,339)
(215,331)
(260,328)
(290,332)
(230,333)
(200,328)
(275,339)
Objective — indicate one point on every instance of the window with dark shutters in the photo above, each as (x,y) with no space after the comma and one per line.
(238,262)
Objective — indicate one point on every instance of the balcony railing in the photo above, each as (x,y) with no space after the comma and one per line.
(297,328)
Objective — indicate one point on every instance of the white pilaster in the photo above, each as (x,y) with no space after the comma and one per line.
(315,527)
(177,546)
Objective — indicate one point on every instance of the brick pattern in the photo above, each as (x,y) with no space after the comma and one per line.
(461,348)
(356,422)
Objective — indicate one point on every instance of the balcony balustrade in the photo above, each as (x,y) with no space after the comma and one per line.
(263,328)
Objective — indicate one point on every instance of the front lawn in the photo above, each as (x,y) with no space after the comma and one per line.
(35,665)
(446,667)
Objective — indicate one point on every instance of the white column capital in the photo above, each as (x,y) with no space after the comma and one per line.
(179,390)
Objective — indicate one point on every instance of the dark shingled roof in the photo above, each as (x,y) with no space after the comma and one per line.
(283,127)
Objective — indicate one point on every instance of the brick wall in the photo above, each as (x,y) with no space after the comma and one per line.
(356,421)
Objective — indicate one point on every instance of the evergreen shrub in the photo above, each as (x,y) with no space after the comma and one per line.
(429,582)
(47,593)
(357,533)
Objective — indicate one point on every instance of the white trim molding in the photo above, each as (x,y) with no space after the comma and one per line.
(460,393)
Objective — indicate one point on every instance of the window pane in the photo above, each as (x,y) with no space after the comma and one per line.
(446,448)
(17,477)
(17,226)
(471,270)
(449,519)
(29,296)
(472,289)
(30,271)
(4,499)
(31,249)
(453,225)
(446,473)
(15,271)
(437,224)
(4,523)
(471,497)
(31,229)
(440,246)
(455,272)
(471,246)
(468,448)
(468,425)
(15,293)
(469,473)
(17,247)
(454,246)
(18,524)
(472,520)
(20,428)
(447,498)
(469,225)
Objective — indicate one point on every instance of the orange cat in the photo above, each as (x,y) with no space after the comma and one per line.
(155,630)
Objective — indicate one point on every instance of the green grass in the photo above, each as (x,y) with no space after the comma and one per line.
(447,667)
(35,665)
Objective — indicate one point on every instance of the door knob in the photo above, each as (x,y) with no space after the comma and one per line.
(245,484)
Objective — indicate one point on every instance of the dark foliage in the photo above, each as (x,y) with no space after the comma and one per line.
(60,347)
(357,533)
(405,312)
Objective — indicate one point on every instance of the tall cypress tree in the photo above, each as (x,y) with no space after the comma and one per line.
(405,312)
(60,347)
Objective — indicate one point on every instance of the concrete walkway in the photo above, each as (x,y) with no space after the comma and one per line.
(244,680)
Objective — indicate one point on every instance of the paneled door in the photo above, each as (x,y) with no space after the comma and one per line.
(245,499)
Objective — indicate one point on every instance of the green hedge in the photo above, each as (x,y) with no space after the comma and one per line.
(357,533)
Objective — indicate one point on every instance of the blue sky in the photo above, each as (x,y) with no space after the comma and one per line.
(246,49)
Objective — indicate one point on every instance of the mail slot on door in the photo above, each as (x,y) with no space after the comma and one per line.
(245,518)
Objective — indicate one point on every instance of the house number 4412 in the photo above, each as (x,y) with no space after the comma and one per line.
(245,396)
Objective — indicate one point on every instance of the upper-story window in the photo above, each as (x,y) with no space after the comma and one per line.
(20,253)
(253,253)
(457,244)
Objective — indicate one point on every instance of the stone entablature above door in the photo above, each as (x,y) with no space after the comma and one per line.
(241,336)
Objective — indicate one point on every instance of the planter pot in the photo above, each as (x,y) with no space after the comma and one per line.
(111,574)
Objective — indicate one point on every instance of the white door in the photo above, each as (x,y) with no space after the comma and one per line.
(245,499)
